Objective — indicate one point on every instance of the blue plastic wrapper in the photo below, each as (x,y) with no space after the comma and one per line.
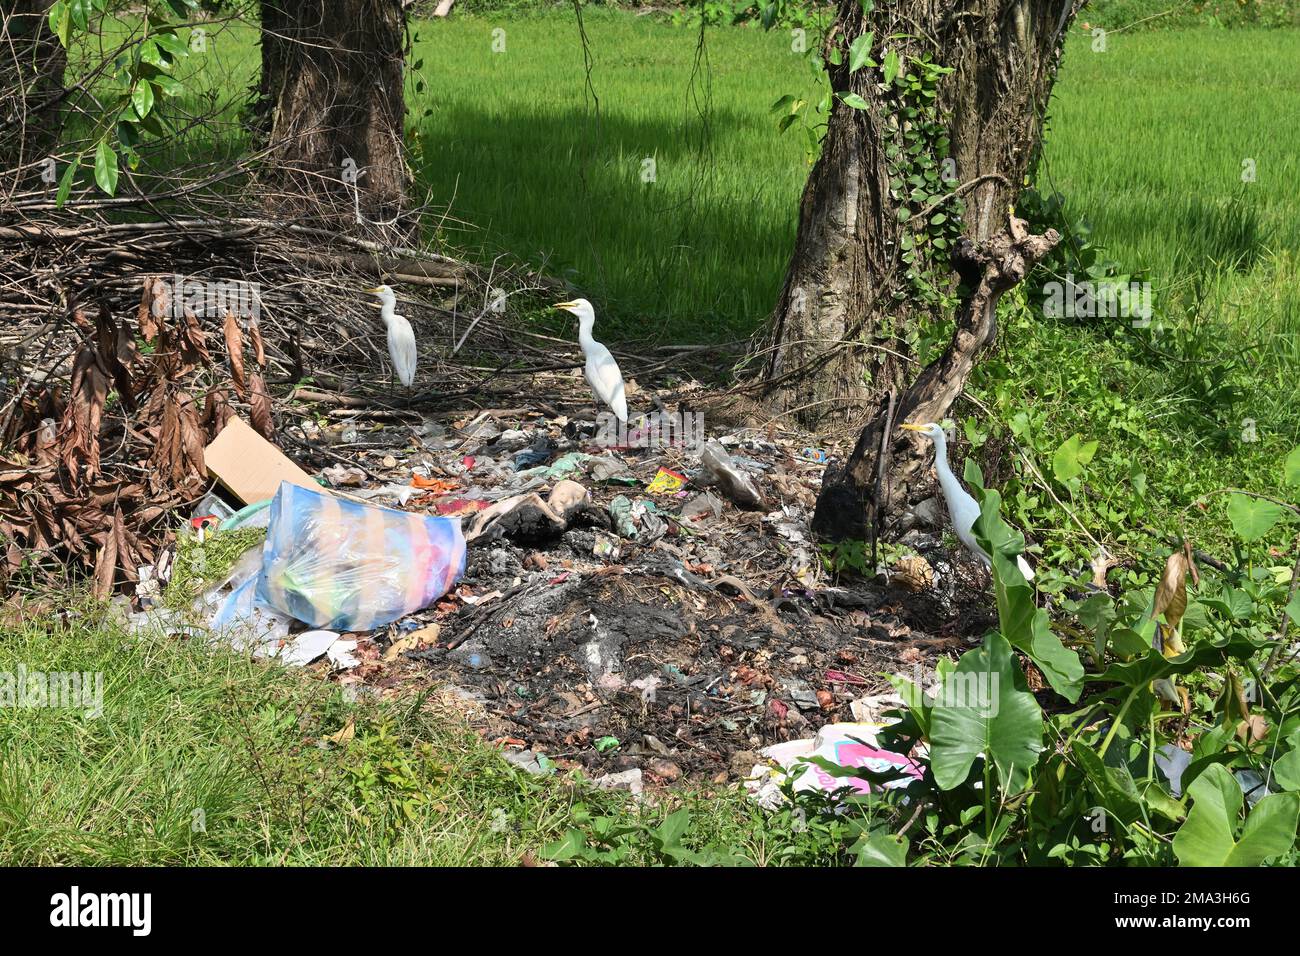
(345,566)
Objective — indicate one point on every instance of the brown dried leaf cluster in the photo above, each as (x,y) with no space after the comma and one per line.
(88,477)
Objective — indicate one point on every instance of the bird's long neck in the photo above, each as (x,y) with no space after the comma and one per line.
(947,480)
(585,326)
(388,310)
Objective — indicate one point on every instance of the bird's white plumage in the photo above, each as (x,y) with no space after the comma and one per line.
(963,509)
(601,371)
(401,337)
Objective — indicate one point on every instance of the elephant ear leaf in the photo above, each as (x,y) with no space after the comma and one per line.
(985,707)
(1021,622)
(1209,835)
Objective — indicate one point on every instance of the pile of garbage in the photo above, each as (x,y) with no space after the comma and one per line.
(644,609)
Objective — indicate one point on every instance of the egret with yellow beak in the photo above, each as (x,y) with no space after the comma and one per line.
(601,370)
(401,337)
(963,509)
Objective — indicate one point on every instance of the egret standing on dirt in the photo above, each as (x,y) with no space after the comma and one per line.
(962,508)
(602,372)
(401,337)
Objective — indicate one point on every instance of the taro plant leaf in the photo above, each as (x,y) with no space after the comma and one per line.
(1154,665)
(1291,467)
(1071,458)
(1113,786)
(1171,595)
(985,707)
(1286,771)
(1209,835)
(1252,518)
(1022,623)
(881,848)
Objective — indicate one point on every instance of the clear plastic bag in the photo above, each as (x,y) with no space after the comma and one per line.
(338,564)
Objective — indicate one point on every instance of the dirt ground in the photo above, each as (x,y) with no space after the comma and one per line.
(677,633)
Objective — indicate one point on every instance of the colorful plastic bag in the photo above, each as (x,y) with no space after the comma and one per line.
(338,564)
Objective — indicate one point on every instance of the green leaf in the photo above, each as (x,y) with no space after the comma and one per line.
(1071,457)
(674,827)
(855,101)
(1026,626)
(142,98)
(1286,771)
(1252,518)
(860,52)
(1291,467)
(65,182)
(984,706)
(1208,837)
(1113,786)
(892,67)
(881,848)
(106,167)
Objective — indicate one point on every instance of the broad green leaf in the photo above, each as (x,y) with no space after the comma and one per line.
(1209,836)
(674,827)
(855,101)
(1021,622)
(106,167)
(881,848)
(860,52)
(1252,518)
(1071,458)
(1293,608)
(892,67)
(985,707)
(1291,467)
(1286,771)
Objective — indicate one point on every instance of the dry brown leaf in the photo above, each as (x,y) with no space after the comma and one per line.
(255,334)
(106,566)
(79,431)
(1171,594)
(155,299)
(235,348)
(259,401)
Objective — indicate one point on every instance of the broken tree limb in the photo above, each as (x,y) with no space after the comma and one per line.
(987,271)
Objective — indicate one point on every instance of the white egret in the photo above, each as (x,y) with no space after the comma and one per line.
(963,509)
(602,372)
(401,337)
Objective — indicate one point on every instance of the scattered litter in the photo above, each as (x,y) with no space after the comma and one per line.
(666,482)
(845,745)
(719,469)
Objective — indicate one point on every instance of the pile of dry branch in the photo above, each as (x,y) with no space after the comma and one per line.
(115,373)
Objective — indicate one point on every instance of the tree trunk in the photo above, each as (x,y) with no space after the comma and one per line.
(32,63)
(333,108)
(870,264)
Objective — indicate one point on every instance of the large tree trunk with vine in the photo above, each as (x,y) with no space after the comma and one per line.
(332,106)
(32,63)
(909,169)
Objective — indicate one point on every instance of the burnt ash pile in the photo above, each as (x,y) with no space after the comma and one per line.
(654,624)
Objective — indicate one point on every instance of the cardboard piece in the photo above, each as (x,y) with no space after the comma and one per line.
(249,466)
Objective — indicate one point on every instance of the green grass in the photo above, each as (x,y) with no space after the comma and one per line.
(205,757)
(700,251)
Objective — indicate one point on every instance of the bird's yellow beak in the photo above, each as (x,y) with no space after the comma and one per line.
(564,305)
(374,291)
(912,428)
